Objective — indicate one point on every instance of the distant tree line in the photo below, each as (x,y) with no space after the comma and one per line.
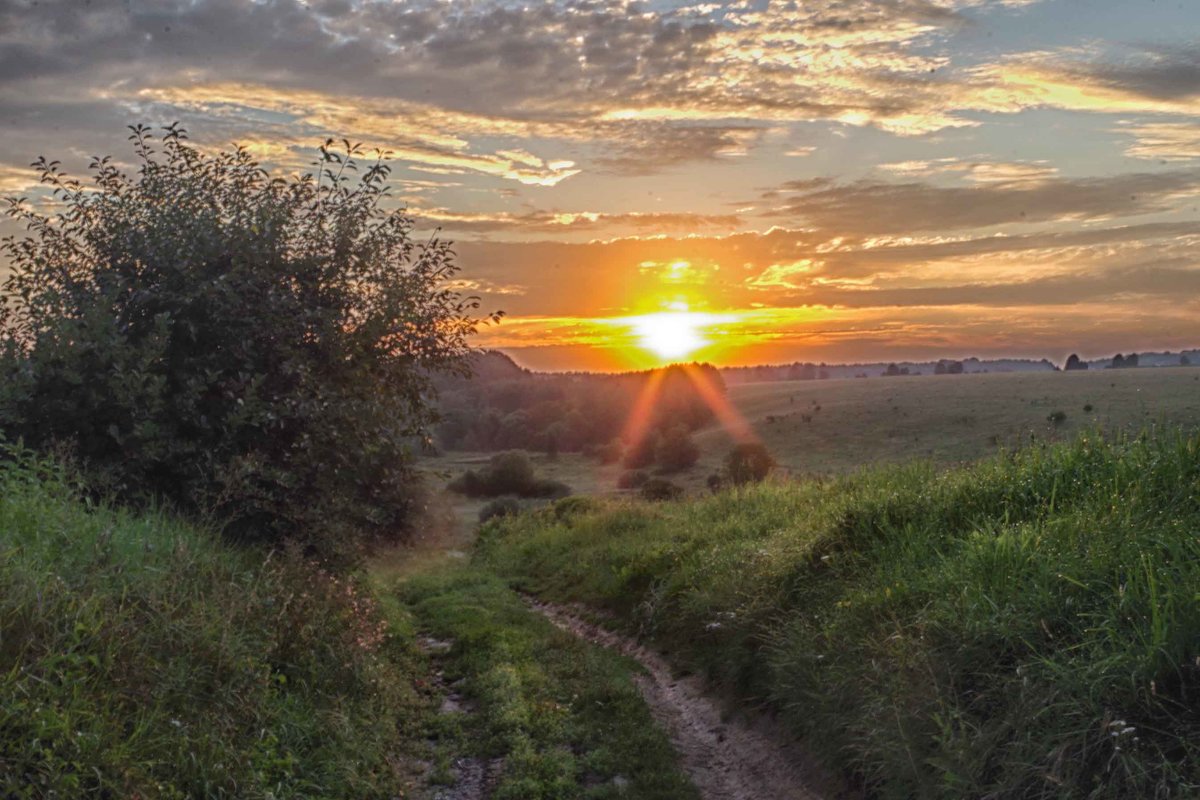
(505,407)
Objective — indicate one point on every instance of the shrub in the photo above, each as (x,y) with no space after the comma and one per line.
(676,451)
(500,507)
(748,462)
(509,473)
(660,489)
(201,332)
(714,483)
(610,453)
(642,452)
(1057,417)
(632,479)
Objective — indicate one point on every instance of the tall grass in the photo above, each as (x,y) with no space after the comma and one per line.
(141,657)
(1025,627)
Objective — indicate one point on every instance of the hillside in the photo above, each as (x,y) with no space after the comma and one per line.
(1024,627)
(141,657)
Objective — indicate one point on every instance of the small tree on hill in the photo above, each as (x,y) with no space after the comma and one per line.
(676,451)
(202,332)
(748,462)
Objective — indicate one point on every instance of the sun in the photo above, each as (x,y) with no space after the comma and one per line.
(671,334)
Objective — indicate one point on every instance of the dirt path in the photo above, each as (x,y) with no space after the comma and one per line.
(726,760)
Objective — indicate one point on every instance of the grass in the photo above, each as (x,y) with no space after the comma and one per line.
(1025,627)
(141,657)
(564,717)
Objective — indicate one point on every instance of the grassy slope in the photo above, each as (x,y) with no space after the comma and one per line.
(948,419)
(140,657)
(1026,627)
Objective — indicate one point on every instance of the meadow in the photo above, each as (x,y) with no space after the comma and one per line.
(832,427)
(1023,627)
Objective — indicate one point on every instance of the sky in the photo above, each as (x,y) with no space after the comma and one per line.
(743,182)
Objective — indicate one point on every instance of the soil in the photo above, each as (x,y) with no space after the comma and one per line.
(727,759)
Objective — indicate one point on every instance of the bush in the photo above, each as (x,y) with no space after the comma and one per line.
(201,332)
(632,479)
(642,452)
(500,507)
(610,453)
(1057,417)
(676,451)
(508,473)
(660,489)
(748,462)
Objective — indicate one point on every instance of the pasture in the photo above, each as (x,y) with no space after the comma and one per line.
(833,427)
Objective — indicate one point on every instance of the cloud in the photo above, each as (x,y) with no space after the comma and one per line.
(1163,141)
(868,207)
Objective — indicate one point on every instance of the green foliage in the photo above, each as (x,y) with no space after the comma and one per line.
(566,717)
(142,657)
(503,406)
(675,450)
(641,453)
(255,347)
(1023,628)
(748,462)
(500,507)
(508,473)
(632,479)
(660,489)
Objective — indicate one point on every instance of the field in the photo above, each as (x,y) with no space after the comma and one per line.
(1025,627)
(833,427)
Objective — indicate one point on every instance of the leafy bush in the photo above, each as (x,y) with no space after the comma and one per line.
(748,462)
(143,657)
(660,489)
(676,451)
(201,332)
(500,507)
(632,479)
(641,453)
(508,473)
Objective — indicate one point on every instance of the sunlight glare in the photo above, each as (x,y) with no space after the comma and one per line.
(671,334)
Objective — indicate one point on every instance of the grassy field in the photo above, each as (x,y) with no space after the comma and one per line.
(832,427)
(1024,627)
(824,428)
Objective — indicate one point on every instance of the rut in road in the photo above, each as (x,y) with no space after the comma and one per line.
(726,760)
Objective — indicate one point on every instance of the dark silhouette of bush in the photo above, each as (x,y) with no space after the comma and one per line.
(641,453)
(257,349)
(748,462)
(500,507)
(1057,417)
(611,452)
(1074,363)
(508,473)
(657,489)
(676,451)
(714,483)
(632,479)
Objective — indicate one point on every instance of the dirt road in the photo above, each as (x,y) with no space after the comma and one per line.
(726,760)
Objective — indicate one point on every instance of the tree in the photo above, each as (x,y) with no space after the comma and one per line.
(676,451)
(200,332)
(748,462)
(1074,363)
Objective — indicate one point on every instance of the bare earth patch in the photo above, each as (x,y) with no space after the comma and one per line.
(726,760)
